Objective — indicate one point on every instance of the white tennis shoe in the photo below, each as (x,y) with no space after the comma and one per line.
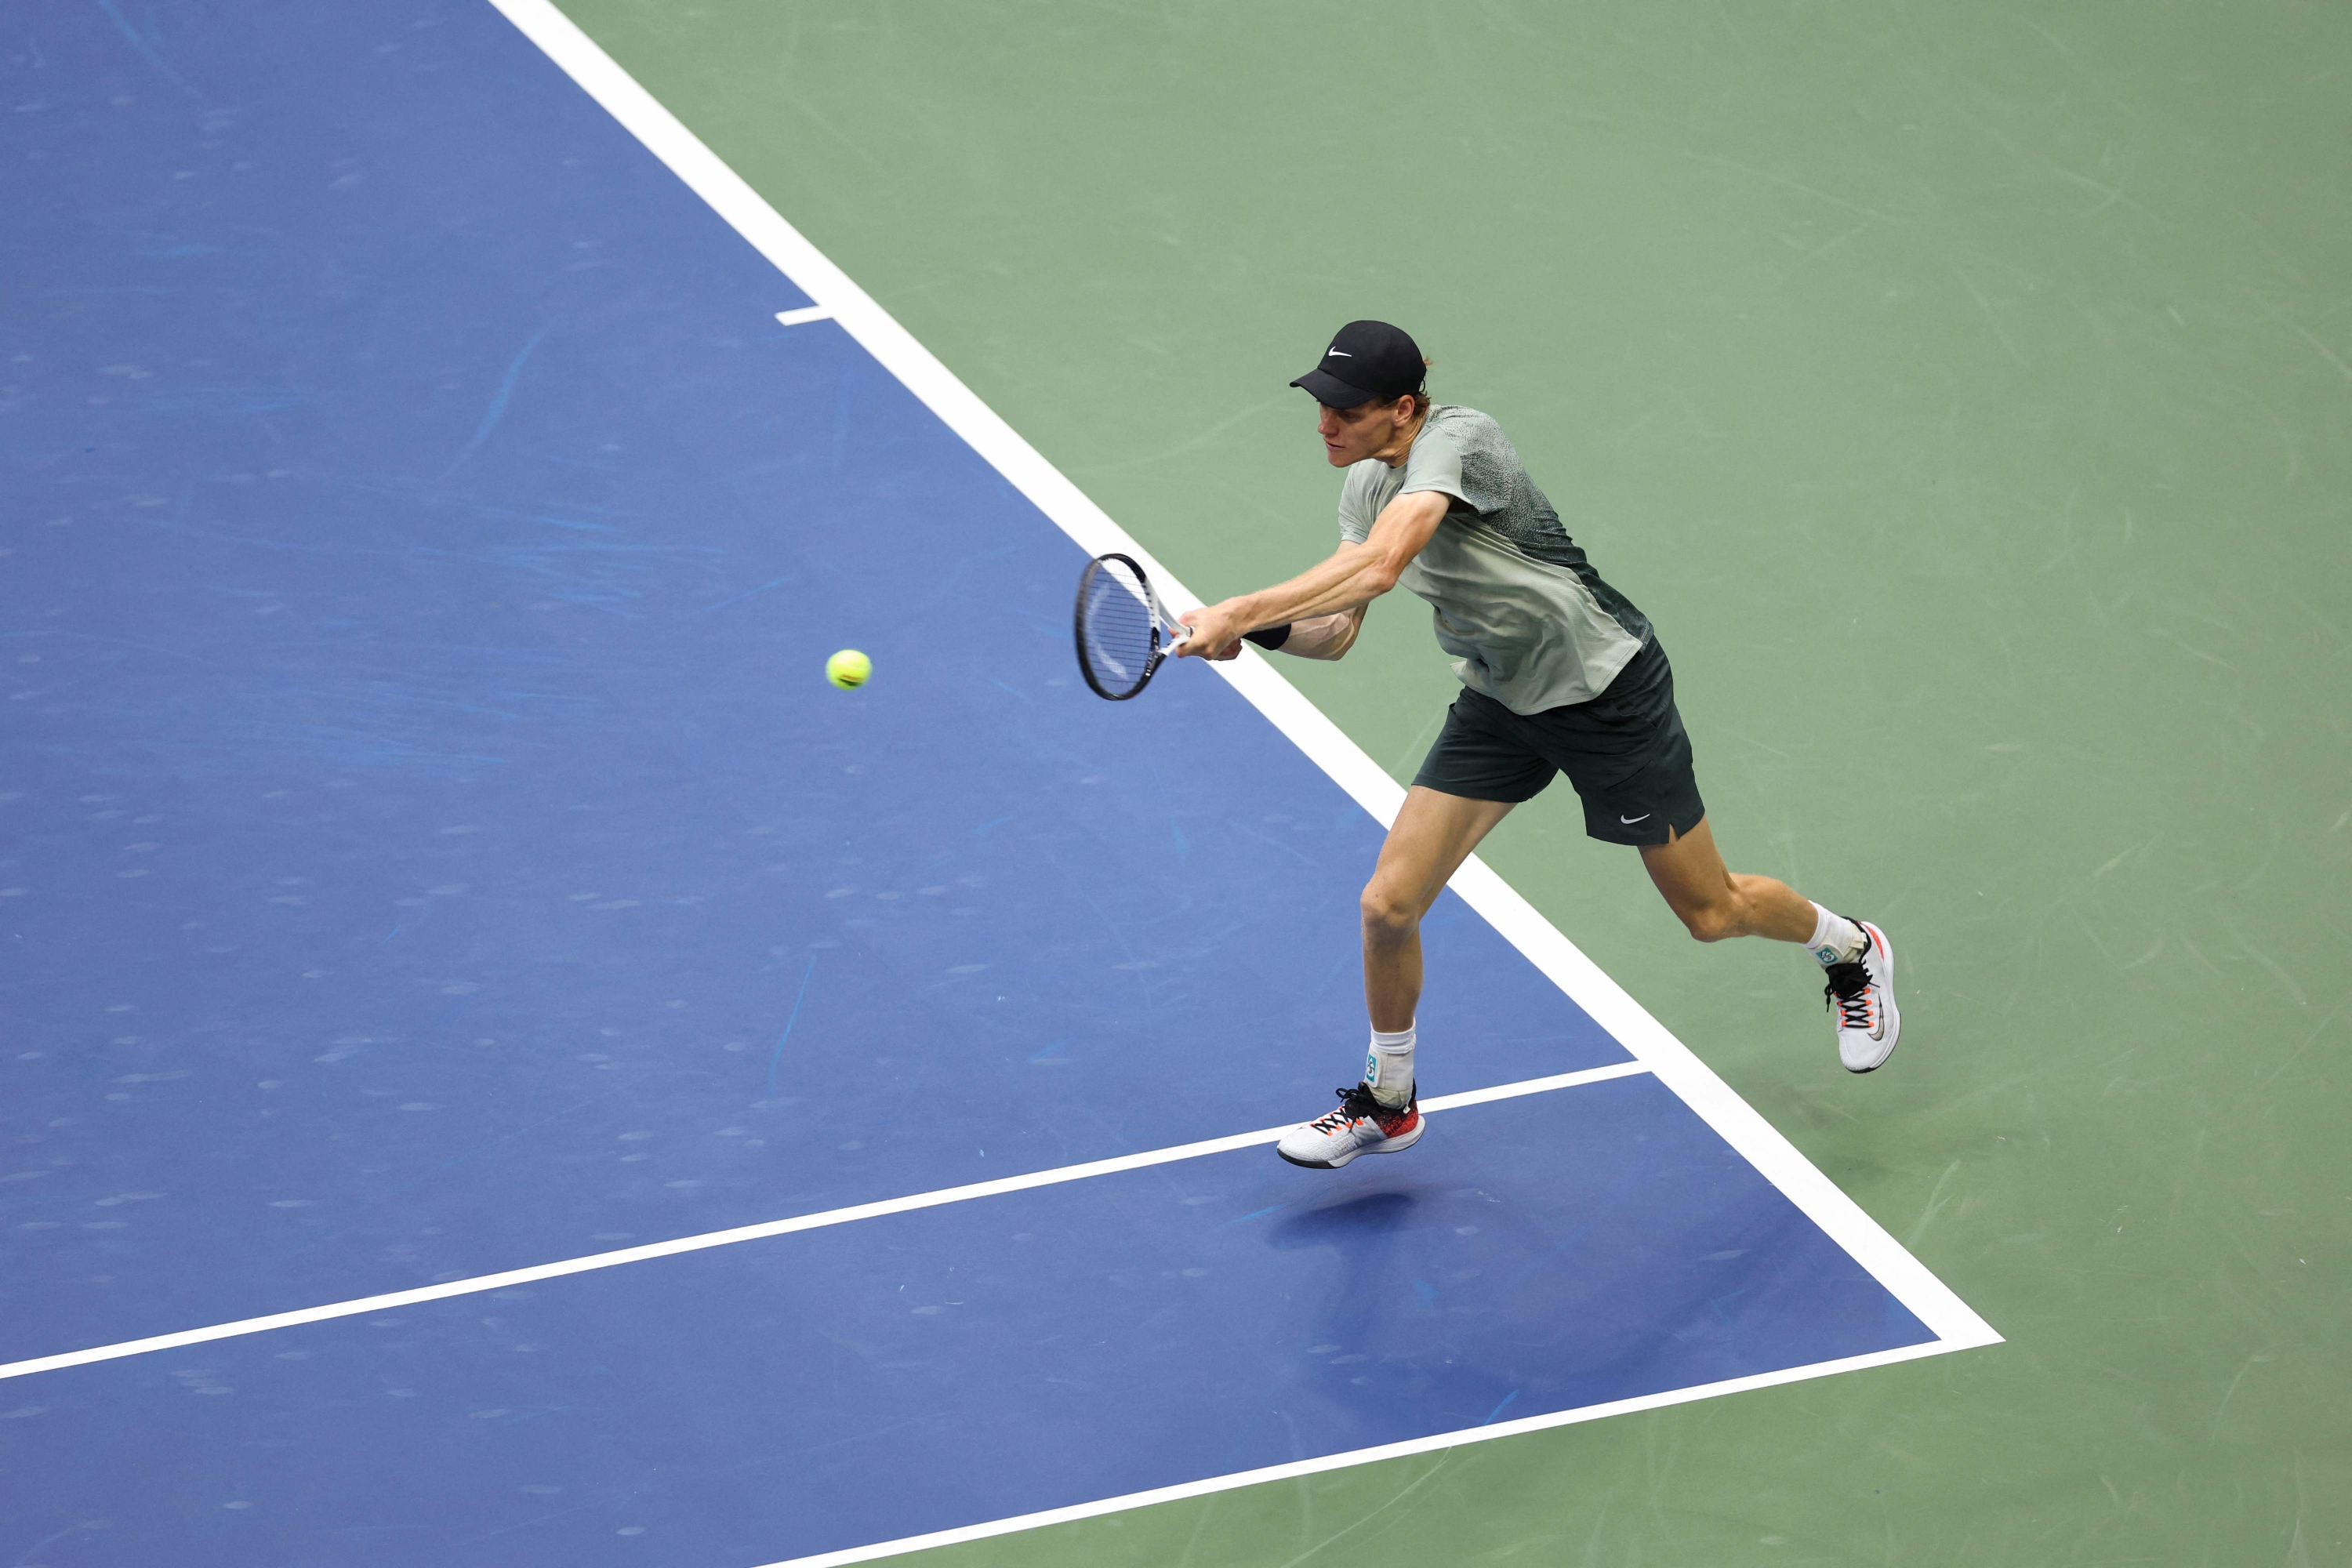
(1861,996)
(1361,1125)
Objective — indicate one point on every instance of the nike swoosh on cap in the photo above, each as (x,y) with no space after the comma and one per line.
(1341,352)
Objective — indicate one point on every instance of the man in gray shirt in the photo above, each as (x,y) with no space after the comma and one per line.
(1559,673)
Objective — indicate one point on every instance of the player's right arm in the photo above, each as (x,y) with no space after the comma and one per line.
(1340,584)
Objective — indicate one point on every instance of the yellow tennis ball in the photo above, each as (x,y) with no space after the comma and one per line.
(848,668)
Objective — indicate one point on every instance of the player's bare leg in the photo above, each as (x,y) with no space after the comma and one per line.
(1434,834)
(1716,902)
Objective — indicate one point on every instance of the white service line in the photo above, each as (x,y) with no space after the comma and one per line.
(805,314)
(1355,1456)
(761,1232)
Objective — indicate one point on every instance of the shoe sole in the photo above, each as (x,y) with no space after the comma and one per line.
(1393,1146)
(1894,1013)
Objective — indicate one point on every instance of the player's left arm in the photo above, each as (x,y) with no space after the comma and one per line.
(1348,579)
(1319,636)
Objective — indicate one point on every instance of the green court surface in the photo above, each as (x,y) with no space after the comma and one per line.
(1966,393)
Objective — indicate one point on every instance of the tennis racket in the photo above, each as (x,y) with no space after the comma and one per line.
(1123,633)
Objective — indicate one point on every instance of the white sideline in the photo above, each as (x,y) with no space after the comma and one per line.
(1929,1299)
(1353,1456)
(508,1278)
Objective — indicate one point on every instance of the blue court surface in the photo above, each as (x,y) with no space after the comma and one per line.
(430,849)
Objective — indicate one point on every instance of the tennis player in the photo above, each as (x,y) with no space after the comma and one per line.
(1559,673)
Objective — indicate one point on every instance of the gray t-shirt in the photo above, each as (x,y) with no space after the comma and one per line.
(1527,618)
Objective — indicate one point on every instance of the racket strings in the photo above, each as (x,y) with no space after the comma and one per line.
(1115,628)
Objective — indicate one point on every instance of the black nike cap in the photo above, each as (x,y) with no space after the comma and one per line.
(1367,359)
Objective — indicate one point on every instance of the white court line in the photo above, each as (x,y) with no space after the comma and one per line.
(761,1232)
(1355,1456)
(1780,1162)
(805,314)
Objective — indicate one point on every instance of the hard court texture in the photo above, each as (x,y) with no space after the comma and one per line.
(433,850)
(1966,393)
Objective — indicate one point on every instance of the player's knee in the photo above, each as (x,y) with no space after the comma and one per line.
(1710,922)
(1386,915)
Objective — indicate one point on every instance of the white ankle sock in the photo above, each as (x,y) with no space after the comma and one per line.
(1835,938)
(1388,1067)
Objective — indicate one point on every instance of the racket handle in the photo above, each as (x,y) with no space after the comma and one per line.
(1265,638)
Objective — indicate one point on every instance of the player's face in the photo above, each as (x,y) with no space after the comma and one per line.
(1366,430)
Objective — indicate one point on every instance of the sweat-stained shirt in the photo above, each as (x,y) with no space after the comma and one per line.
(1527,618)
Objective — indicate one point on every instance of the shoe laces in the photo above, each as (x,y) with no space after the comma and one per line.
(1356,1104)
(1848,995)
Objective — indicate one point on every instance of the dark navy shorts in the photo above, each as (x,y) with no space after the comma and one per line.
(1625,751)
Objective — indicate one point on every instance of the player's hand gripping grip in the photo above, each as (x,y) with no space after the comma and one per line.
(1266,638)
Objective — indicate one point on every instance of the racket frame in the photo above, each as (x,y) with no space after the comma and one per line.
(1156,614)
